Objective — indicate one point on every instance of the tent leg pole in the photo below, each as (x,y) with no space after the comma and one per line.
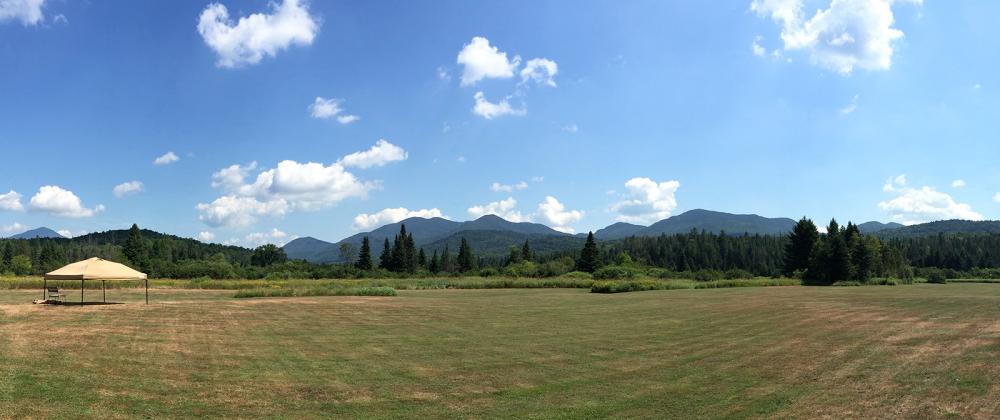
(81,292)
(45,289)
(104,292)
(147,291)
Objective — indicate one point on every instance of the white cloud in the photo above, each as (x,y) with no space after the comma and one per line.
(443,74)
(126,188)
(392,215)
(59,202)
(996,197)
(11,201)
(481,61)
(206,236)
(166,159)
(503,208)
(892,183)
(554,214)
(70,234)
(291,186)
(489,110)
(538,179)
(460,159)
(757,49)
(958,183)
(29,12)
(847,110)
(258,35)
(14,228)
(845,35)
(647,201)
(275,237)
(323,108)
(920,205)
(508,188)
(572,128)
(380,154)
(541,71)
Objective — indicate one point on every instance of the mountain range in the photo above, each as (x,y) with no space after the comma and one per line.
(42,232)
(491,235)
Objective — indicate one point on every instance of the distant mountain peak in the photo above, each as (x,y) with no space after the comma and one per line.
(42,232)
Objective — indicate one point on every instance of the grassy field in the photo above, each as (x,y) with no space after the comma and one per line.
(905,351)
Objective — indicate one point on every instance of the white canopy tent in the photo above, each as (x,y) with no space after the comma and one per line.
(94,269)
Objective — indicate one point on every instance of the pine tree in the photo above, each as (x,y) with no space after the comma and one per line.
(385,259)
(135,248)
(802,240)
(526,254)
(411,256)
(422,259)
(446,264)
(466,262)
(365,258)
(589,255)
(435,264)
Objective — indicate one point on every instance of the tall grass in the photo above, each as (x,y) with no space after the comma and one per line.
(315,291)
(622,286)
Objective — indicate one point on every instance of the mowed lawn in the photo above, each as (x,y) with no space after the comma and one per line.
(906,351)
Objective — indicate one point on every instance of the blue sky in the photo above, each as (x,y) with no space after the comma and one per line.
(296,118)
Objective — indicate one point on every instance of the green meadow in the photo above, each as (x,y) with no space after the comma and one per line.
(918,351)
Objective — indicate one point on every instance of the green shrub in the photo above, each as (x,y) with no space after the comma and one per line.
(846,283)
(578,275)
(937,277)
(613,272)
(488,272)
(737,274)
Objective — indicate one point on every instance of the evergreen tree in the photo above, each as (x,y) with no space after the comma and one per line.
(466,262)
(135,248)
(365,258)
(526,254)
(802,240)
(422,259)
(412,257)
(589,255)
(385,259)
(838,257)
(435,264)
(447,264)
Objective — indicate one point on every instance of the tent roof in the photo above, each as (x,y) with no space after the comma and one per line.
(95,269)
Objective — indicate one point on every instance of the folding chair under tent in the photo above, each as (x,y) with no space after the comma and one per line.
(94,269)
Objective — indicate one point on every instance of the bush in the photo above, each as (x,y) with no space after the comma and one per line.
(846,283)
(521,269)
(578,275)
(937,277)
(613,272)
(737,274)
(488,272)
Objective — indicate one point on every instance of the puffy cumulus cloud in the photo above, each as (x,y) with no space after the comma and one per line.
(506,209)
(920,205)
(253,37)
(958,183)
(206,236)
(380,154)
(291,186)
(996,197)
(13,228)
(647,201)
(845,35)
(70,234)
(11,201)
(392,215)
(508,188)
(29,12)
(757,49)
(490,110)
(59,202)
(126,188)
(166,159)
(323,108)
(480,60)
(541,71)
(554,214)
(275,237)
(235,211)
